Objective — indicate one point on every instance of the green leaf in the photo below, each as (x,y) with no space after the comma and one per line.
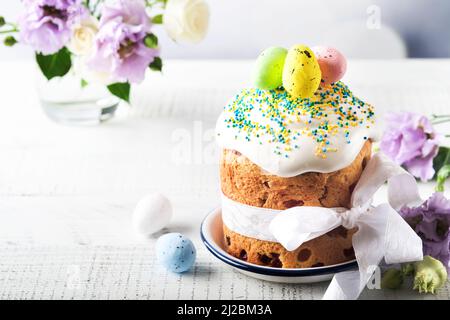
(442,176)
(156,64)
(151,41)
(54,65)
(158,19)
(9,41)
(441,165)
(442,159)
(120,90)
(2,21)
(83,83)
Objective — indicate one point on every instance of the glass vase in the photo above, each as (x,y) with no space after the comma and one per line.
(70,100)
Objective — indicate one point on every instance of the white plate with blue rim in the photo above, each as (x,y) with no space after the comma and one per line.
(211,232)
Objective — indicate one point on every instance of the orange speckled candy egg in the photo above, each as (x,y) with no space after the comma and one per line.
(332,64)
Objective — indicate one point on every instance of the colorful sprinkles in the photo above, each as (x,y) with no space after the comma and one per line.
(282,119)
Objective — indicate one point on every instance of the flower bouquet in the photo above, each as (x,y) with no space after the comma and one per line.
(105,43)
(412,141)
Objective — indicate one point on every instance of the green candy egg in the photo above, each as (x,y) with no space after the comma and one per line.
(268,70)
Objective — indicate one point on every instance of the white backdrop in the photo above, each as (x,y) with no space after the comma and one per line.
(242,28)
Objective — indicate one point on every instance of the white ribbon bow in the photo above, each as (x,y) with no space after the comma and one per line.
(382,232)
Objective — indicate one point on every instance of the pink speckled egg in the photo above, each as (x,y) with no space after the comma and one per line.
(332,64)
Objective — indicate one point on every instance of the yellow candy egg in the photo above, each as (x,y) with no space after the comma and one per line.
(301,72)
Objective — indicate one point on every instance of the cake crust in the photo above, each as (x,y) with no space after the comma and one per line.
(333,248)
(245,182)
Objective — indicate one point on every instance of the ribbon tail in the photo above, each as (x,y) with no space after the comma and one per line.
(344,286)
(403,191)
(399,233)
(382,233)
(369,246)
(402,187)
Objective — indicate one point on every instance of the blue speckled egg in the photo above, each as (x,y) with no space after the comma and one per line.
(175,252)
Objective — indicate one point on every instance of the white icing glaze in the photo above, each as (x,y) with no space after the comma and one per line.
(242,127)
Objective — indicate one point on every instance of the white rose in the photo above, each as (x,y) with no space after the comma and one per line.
(186,20)
(83,35)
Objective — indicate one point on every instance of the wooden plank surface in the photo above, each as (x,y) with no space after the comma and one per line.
(67,193)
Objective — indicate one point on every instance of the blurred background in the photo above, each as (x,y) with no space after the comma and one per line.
(360,28)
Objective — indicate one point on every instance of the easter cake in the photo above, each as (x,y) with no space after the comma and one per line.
(299,137)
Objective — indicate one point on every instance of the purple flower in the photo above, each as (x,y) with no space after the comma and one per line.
(46,24)
(431,222)
(119,49)
(410,141)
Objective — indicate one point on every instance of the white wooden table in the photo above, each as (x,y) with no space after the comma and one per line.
(67,193)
